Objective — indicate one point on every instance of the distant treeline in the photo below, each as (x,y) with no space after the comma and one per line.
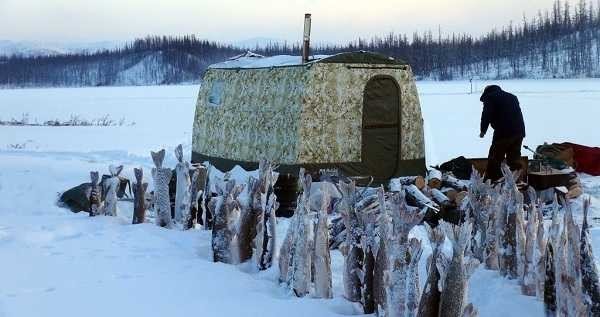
(561,42)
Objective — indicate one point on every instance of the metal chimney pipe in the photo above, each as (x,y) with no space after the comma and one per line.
(306,39)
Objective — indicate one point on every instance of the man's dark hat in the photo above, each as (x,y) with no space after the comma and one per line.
(489,90)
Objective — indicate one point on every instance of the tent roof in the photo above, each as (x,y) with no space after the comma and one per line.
(251,60)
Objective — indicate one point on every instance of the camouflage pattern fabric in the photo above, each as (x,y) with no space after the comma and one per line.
(309,114)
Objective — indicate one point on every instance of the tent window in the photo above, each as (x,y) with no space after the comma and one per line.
(216,93)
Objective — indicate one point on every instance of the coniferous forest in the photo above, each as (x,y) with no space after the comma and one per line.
(562,42)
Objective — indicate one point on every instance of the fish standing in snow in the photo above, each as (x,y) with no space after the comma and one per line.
(456,275)
(162,203)
(589,270)
(183,193)
(322,258)
(302,261)
(354,258)
(95,195)
(381,260)
(139,194)
(429,305)
(111,184)
(226,209)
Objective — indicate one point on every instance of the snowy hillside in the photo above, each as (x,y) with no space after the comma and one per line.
(31,49)
(556,62)
(56,263)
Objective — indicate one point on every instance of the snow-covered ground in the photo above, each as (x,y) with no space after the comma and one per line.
(58,263)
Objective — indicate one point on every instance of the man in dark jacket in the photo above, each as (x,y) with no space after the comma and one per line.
(501,110)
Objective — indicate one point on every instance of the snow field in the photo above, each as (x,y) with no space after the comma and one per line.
(58,263)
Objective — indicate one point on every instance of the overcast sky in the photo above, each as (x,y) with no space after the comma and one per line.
(235,20)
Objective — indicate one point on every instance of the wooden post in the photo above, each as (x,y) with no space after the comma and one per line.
(139,194)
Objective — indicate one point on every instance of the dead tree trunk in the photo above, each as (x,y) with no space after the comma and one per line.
(183,195)
(139,194)
(322,258)
(95,195)
(162,202)
(111,185)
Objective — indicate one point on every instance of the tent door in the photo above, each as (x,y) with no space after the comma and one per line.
(381,127)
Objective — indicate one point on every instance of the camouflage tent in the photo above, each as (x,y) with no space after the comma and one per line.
(356,112)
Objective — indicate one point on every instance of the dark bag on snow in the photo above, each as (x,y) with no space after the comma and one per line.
(76,198)
(460,167)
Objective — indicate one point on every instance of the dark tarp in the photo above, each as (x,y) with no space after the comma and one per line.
(362,57)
